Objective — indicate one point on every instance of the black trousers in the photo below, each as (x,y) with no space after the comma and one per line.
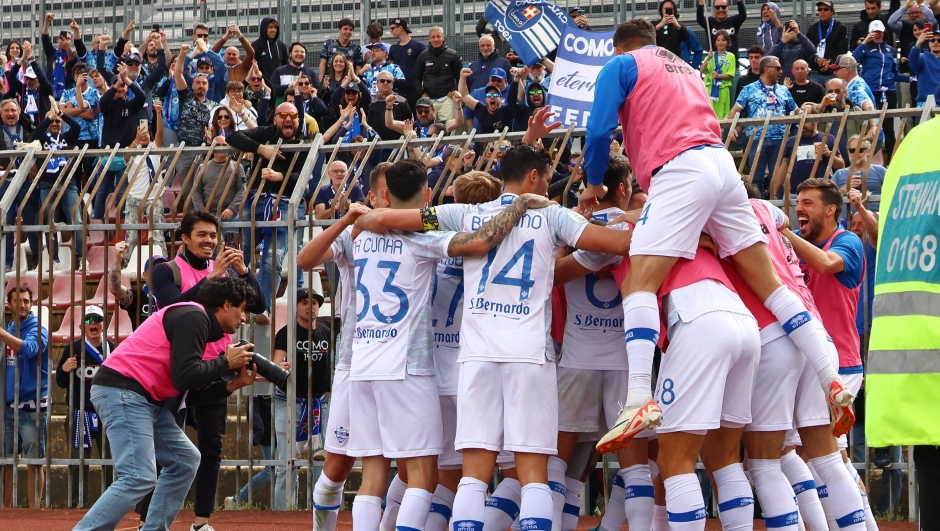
(927,463)
(890,137)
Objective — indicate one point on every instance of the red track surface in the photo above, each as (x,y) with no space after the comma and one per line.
(64,520)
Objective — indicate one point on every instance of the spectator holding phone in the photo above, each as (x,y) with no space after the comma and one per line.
(669,33)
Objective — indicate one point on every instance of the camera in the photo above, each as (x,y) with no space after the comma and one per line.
(669,11)
(268,370)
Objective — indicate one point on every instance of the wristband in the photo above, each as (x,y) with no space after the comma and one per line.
(429,219)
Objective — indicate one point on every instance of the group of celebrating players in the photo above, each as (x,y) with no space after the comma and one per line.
(448,363)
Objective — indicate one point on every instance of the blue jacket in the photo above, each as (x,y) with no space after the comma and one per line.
(692,51)
(27,358)
(926,66)
(482,67)
(879,67)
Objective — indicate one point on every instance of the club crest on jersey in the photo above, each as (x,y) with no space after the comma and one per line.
(341,434)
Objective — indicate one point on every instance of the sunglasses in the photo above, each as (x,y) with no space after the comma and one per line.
(256,79)
(223,117)
(56,121)
(496,79)
(394,27)
(534,92)
(131,63)
(93,319)
(423,111)
(720,7)
(201,74)
(202,36)
(823,10)
(492,95)
(857,150)
(303,83)
(285,115)
(386,81)
(834,91)
(935,41)
(778,67)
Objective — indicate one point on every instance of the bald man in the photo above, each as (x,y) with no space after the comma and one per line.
(489,59)
(237,68)
(801,88)
(275,188)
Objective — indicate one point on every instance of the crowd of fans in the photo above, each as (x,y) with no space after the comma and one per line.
(254,94)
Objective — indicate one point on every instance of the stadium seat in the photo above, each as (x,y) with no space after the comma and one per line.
(98,261)
(99,297)
(61,296)
(31,282)
(70,328)
(142,252)
(119,320)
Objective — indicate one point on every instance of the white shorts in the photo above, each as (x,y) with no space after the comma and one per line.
(507,406)
(450,458)
(854,383)
(698,191)
(336,438)
(396,418)
(778,375)
(707,374)
(584,395)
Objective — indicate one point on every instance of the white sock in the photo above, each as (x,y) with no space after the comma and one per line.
(641,322)
(685,506)
(791,313)
(845,501)
(327,499)
(801,479)
(638,497)
(735,498)
(777,502)
(799,518)
(614,515)
(469,505)
(396,491)
(366,513)
(556,482)
(414,511)
(870,523)
(442,505)
(823,491)
(572,510)
(535,512)
(502,509)
(660,518)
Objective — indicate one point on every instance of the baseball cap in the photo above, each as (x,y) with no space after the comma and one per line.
(424,102)
(94,311)
(498,72)
(204,61)
(403,22)
(876,25)
(154,260)
(305,293)
(827,3)
(574,9)
(491,88)
(844,61)
(381,45)
(30,72)
(352,87)
(133,57)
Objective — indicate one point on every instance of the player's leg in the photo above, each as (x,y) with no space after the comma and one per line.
(735,230)
(367,505)
(416,502)
(804,486)
(721,455)
(502,507)
(328,490)
(685,505)
(634,473)
(773,490)
(843,499)
(470,503)
(367,445)
(580,393)
(449,465)
(580,465)
(854,383)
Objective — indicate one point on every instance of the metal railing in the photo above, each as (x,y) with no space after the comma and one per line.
(297,226)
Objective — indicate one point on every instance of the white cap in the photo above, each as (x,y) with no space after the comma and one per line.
(94,310)
(876,25)
(30,72)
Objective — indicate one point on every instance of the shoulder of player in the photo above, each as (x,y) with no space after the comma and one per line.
(849,241)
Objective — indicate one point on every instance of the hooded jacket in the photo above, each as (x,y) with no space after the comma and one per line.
(482,68)
(270,53)
(29,356)
(437,71)
(860,28)
(767,35)
(791,52)
(879,67)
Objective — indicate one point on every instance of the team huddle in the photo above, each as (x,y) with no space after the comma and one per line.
(471,340)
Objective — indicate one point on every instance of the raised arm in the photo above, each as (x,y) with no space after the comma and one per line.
(319,249)
(178,69)
(468,100)
(122,294)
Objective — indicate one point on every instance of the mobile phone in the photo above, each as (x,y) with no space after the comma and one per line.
(928,27)
(669,11)
(143,124)
(156,27)
(233,240)
(580,12)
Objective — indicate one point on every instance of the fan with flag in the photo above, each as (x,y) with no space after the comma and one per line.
(532,27)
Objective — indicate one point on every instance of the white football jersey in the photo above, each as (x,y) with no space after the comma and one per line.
(507,292)
(343,259)
(446,315)
(394,274)
(594,323)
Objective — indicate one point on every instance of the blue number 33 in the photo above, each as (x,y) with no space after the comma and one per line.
(389,287)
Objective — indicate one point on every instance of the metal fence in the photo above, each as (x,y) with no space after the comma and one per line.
(313,22)
(61,295)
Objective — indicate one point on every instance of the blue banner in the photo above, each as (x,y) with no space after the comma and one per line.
(531,27)
(581,55)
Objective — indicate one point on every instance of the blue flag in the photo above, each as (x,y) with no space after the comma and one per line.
(532,27)
(581,55)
